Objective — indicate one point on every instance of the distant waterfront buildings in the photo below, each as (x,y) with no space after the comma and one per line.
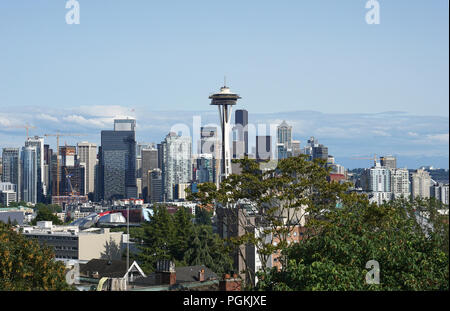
(315,150)
(440,192)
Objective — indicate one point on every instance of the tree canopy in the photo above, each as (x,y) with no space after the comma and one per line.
(26,265)
(175,237)
(343,232)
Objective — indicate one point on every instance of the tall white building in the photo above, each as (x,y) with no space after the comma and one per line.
(38,143)
(284,140)
(440,191)
(87,154)
(377,182)
(177,163)
(420,184)
(29,175)
(400,184)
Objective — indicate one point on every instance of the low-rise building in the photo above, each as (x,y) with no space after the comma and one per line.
(71,243)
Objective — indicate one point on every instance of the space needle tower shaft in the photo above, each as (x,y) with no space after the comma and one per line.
(225,100)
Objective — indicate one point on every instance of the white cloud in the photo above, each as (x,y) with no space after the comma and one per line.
(442,138)
(47,117)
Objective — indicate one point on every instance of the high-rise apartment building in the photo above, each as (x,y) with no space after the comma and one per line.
(376,179)
(400,184)
(38,143)
(177,162)
(440,192)
(205,168)
(29,187)
(420,184)
(210,144)
(87,154)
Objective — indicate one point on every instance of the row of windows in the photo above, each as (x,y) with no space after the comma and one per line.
(52,237)
(66,248)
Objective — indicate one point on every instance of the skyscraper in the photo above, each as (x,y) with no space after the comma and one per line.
(420,184)
(38,143)
(177,164)
(128,125)
(389,162)
(149,158)
(241,123)
(155,185)
(209,144)
(400,184)
(264,148)
(315,150)
(87,154)
(284,135)
(205,168)
(29,190)
(118,161)
(377,182)
(11,168)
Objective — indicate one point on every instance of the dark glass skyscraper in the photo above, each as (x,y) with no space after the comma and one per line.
(241,121)
(118,164)
(11,167)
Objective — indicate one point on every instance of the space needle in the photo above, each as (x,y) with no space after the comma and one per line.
(225,100)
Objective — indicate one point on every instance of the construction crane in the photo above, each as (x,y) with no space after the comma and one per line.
(26,126)
(374,158)
(58,135)
(68,176)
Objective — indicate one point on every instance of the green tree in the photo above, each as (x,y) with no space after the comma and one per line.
(158,239)
(279,198)
(44,213)
(176,238)
(25,265)
(409,240)
(183,234)
(203,216)
(206,248)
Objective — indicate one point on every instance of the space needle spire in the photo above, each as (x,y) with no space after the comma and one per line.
(225,100)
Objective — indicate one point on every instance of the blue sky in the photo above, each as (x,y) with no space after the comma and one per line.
(279,56)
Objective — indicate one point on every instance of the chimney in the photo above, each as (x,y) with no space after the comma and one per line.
(165,272)
(229,283)
(201,275)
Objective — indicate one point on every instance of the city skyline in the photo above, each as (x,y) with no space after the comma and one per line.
(415,140)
